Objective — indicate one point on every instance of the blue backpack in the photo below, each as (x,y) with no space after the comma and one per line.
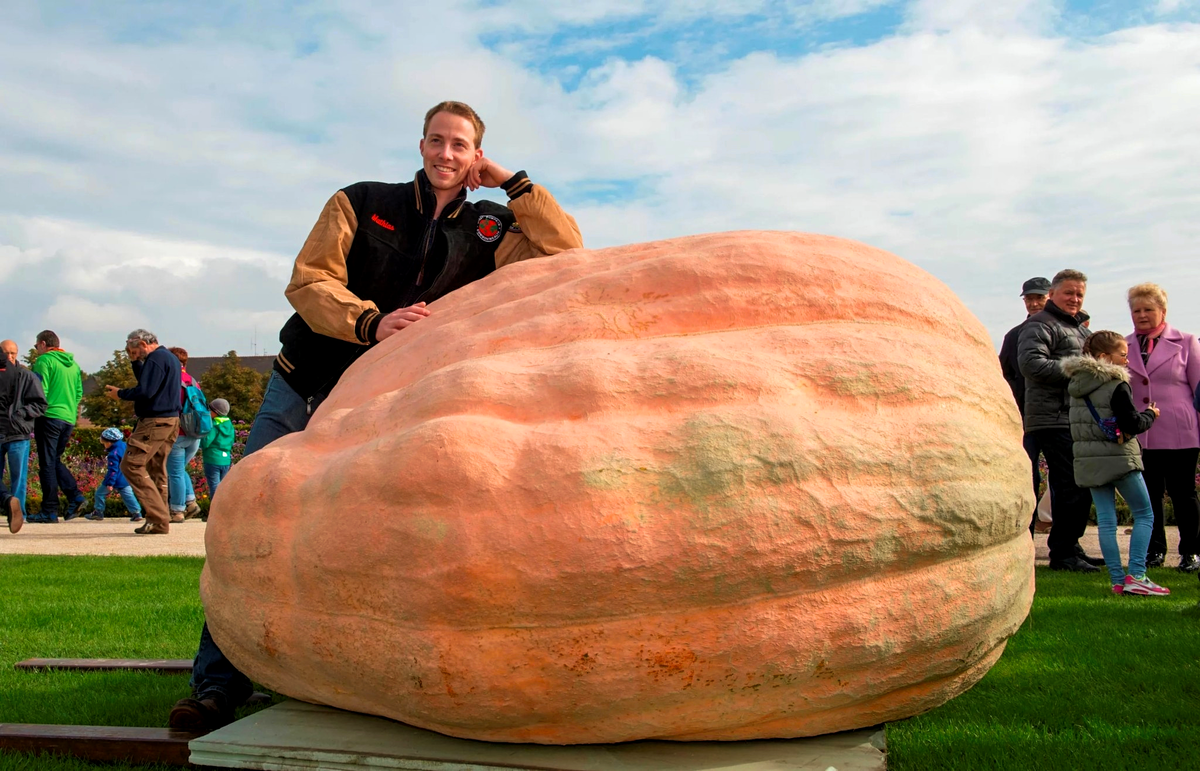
(194,419)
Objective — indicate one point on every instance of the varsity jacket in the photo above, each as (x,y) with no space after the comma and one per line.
(377,247)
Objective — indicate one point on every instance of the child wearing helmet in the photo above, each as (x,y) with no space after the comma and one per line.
(114,447)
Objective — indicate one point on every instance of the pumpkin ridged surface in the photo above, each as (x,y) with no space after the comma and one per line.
(735,486)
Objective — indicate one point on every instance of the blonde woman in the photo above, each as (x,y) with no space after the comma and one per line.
(1164,366)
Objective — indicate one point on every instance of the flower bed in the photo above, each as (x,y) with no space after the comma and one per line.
(85,458)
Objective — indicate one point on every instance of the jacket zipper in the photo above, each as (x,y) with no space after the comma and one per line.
(426,243)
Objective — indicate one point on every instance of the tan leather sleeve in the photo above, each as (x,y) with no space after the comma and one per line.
(545,229)
(318,287)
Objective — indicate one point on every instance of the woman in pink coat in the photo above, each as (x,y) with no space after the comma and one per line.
(1167,373)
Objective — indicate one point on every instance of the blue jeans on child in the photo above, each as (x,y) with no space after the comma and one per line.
(179,481)
(1133,490)
(282,412)
(131,502)
(213,474)
(17,456)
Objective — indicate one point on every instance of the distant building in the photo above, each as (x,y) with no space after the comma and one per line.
(198,365)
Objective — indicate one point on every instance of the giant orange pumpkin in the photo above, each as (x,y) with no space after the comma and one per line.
(732,486)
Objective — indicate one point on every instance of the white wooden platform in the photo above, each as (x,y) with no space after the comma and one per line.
(295,735)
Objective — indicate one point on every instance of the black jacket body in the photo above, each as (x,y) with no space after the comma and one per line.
(159,380)
(400,255)
(21,401)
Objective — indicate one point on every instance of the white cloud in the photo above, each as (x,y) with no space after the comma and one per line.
(71,313)
(179,178)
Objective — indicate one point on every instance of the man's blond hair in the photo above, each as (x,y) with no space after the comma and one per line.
(462,110)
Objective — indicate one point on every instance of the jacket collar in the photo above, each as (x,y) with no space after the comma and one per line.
(1059,313)
(1168,348)
(427,201)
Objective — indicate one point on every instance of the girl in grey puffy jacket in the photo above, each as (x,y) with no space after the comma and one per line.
(1104,427)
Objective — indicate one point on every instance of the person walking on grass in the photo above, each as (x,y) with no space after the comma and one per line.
(63,384)
(114,449)
(156,403)
(1108,458)
(22,402)
(217,446)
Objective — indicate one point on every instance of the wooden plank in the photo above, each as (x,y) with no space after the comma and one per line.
(99,743)
(101,665)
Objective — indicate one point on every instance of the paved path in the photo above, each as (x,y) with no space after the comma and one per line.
(112,536)
(116,536)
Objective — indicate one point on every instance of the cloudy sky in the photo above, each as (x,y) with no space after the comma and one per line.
(162,162)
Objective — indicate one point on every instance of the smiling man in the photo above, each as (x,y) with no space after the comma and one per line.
(1047,338)
(380,252)
(377,255)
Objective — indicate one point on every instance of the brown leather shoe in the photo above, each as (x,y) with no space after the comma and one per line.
(197,715)
(151,529)
(192,510)
(12,509)
(177,516)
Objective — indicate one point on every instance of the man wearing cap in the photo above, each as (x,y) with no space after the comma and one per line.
(1034,293)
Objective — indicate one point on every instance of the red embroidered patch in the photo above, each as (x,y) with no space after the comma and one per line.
(488,228)
(381,222)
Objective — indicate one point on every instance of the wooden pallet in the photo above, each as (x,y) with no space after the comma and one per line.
(99,743)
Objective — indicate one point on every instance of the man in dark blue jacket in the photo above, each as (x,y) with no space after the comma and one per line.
(156,403)
(1033,294)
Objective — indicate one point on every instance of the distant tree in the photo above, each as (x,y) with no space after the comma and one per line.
(233,381)
(103,411)
(31,357)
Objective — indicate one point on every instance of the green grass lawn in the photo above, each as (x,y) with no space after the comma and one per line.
(1090,680)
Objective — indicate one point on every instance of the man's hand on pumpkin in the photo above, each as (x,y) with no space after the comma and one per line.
(399,319)
(487,173)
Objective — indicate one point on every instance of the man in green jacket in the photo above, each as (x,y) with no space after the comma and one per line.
(63,383)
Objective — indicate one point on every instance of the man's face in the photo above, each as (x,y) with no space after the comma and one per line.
(136,350)
(1034,303)
(448,151)
(1069,296)
(40,347)
(9,351)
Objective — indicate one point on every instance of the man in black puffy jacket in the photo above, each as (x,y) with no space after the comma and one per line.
(1046,340)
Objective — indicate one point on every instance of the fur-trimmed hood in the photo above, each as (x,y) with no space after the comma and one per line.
(1088,374)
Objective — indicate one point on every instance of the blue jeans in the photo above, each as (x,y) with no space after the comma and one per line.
(17,455)
(283,412)
(179,481)
(52,436)
(213,474)
(1133,490)
(101,497)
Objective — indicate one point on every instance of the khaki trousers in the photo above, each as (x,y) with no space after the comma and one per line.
(145,466)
